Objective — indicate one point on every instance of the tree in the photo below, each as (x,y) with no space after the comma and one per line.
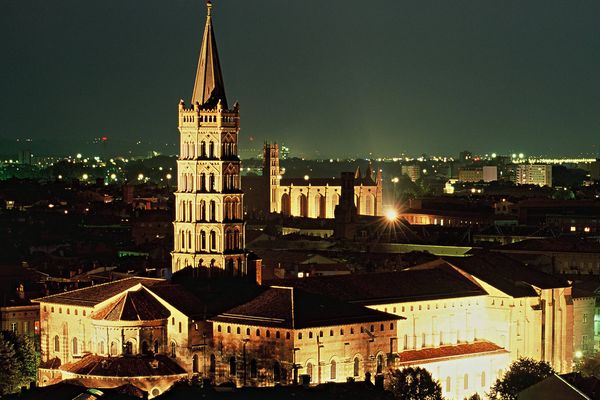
(10,377)
(28,357)
(521,374)
(413,384)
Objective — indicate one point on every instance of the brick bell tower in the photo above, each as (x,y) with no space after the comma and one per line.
(209,228)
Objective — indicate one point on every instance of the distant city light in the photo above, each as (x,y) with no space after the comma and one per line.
(306,177)
(84,177)
(78,156)
(169,176)
(113,176)
(395,179)
(521,155)
(140,177)
(494,155)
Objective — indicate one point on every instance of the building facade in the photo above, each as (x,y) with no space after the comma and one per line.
(317,197)
(209,229)
(534,174)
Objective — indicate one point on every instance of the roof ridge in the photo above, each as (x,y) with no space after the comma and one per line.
(95,286)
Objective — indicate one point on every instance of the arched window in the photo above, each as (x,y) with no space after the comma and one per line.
(356,366)
(145,349)
(173,350)
(232,366)
(56,343)
(75,348)
(195,364)
(333,372)
(213,364)
(113,349)
(309,369)
(253,368)
(448,384)
(483,378)
(213,210)
(213,240)
(211,150)
(203,149)
(276,372)
(466,381)
(380,362)
(203,240)
(128,348)
(156,347)
(203,182)
(211,182)
(285,204)
(101,347)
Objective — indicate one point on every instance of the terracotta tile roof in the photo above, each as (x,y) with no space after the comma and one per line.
(136,305)
(124,366)
(435,282)
(90,296)
(433,354)
(287,307)
(507,274)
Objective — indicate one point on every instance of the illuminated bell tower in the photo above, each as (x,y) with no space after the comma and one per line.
(209,224)
(271,170)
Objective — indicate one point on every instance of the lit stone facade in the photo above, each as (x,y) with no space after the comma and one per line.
(317,197)
(285,333)
(209,229)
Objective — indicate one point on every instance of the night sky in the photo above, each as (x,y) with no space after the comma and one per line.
(327,78)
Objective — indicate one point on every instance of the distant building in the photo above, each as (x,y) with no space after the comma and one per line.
(478,174)
(534,174)
(317,197)
(412,171)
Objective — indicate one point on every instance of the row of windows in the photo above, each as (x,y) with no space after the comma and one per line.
(188,150)
(231,182)
(257,332)
(68,311)
(231,207)
(113,350)
(372,328)
(483,382)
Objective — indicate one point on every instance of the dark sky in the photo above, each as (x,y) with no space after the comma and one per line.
(328,78)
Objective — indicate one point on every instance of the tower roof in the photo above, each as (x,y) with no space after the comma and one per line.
(209,87)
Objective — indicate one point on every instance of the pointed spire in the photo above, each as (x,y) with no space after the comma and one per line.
(357,174)
(209,88)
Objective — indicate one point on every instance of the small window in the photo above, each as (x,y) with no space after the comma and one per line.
(258,332)
(76,312)
(381,327)
(228,329)
(287,335)
(180,327)
(68,311)
(238,330)
(448,384)
(391,326)
(248,331)
(466,381)
(84,313)
(372,328)
(278,335)
(341,332)
(331,332)
(310,335)
(320,333)
(218,328)
(300,335)
(268,333)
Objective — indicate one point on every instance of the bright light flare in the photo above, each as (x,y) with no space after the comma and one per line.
(391,215)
